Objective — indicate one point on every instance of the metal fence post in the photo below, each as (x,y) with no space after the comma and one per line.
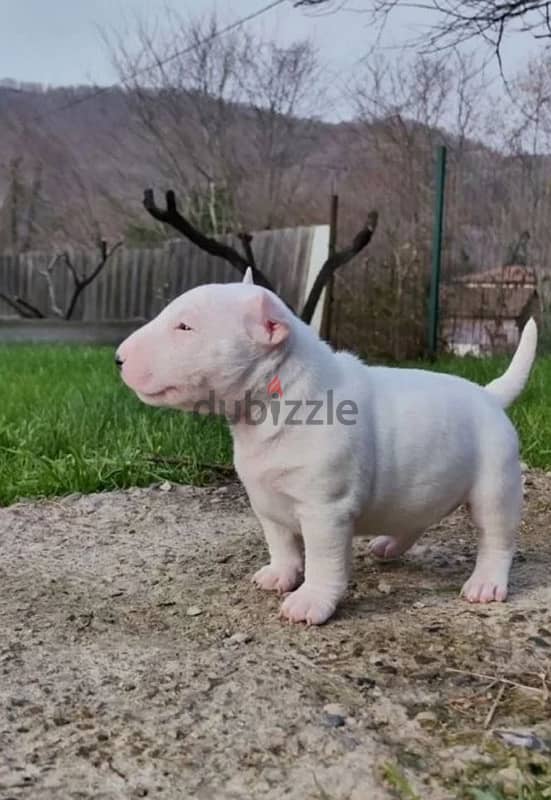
(436,261)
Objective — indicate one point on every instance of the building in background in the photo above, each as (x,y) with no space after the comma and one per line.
(485,312)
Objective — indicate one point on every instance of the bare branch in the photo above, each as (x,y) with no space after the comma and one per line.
(33,311)
(455,22)
(22,307)
(171,216)
(48,275)
(246,240)
(82,283)
(338,259)
(70,266)
(26,309)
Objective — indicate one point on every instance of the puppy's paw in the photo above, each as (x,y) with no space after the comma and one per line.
(279,578)
(484,589)
(308,604)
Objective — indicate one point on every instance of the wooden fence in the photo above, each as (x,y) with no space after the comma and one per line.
(137,283)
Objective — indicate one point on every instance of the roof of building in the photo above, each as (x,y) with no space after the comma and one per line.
(513,274)
(486,302)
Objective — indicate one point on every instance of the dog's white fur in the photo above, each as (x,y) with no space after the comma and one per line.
(422,444)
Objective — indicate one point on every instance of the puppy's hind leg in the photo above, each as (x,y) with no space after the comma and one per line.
(496,505)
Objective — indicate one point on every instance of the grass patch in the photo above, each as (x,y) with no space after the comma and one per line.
(397,781)
(531,414)
(67,424)
(514,774)
(497,794)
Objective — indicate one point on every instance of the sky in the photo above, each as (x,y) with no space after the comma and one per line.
(59,42)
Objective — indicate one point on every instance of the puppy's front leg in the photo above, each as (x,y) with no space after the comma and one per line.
(328,555)
(284,572)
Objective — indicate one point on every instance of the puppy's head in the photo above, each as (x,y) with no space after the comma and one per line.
(209,339)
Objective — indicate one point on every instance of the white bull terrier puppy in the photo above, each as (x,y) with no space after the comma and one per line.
(328,447)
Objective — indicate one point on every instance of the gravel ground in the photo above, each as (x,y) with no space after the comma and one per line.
(137,660)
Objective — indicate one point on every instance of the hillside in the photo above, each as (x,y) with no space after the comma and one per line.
(92,160)
(90,165)
(74,164)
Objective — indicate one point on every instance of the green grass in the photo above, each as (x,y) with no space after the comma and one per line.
(532,793)
(397,781)
(67,424)
(531,414)
(530,788)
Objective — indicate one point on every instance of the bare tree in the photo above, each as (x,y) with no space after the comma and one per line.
(228,117)
(20,209)
(80,283)
(283,87)
(187,107)
(454,22)
(403,111)
(50,198)
(526,143)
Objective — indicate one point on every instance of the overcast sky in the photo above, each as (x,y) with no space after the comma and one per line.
(58,41)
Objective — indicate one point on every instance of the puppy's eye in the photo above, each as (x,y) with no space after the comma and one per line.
(183,327)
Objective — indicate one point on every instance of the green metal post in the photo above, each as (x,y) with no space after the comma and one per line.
(437,237)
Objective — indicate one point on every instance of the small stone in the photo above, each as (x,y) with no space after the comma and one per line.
(194,611)
(511,780)
(240,638)
(539,641)
(334,720)
(426,718)
(418,604)
(103,736)
(19,701)
(384,587)
(165,487)
(364,681)
(524,466)
(335,710)
(525,739)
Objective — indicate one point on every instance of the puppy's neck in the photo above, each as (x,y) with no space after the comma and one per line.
(302,370)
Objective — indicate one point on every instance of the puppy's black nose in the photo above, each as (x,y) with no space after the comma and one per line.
(118,360)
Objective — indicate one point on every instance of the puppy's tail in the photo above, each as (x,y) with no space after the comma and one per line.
(507,388)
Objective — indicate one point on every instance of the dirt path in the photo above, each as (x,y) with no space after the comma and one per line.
(137,660)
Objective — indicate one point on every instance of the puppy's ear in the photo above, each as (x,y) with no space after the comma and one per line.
(248,276)
(265,321)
